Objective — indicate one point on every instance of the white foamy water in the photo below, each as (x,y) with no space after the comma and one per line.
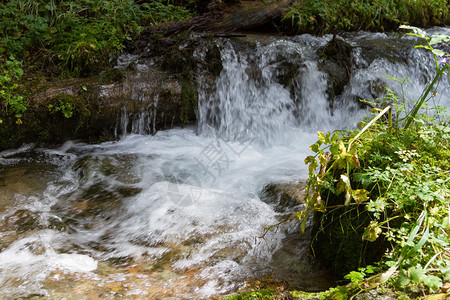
(185,205)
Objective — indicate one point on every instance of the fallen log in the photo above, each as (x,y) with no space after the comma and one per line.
(225,18)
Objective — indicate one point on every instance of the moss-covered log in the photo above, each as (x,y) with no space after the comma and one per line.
(221,17)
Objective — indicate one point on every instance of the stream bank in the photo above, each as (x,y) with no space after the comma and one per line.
(158,211)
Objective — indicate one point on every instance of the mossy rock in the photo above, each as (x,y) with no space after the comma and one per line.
(11,134)
(261,294)
(113,75)
(283,197)
(61,117)
(214,60)
(337,239)
(337,63)
(189,101)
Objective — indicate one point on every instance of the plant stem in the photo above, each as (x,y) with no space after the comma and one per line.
(411,117)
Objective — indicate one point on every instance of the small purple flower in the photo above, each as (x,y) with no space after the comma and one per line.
(444,60)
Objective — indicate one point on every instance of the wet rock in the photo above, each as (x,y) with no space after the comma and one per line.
(114,108)
(283,197)
(337,63)
(338,244)
(115,75)
(140,95)
(374,294)
(23,220)
(119,167)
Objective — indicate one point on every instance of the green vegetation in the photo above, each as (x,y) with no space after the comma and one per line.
(68,38)
(259,295)
(12,104)
(76,36)
(383,191)
(326,16)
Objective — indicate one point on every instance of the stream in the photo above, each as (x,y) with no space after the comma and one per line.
(181,214)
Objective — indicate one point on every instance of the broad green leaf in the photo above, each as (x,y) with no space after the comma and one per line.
(417,31)
(342,149)
(355,276)
(372,232)
(334,149)
(313,166)
(403,278)
(309,159)
(416,274)
(315,147)
(360,195)
(322,137)
(446,272)
(352,158)
(432,281)
(438,52)
(439,38)
(334,137)
(323,159)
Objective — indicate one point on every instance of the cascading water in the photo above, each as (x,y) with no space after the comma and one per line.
(180,214)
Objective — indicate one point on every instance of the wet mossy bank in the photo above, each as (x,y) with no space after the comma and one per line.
(156,87)
(143,93)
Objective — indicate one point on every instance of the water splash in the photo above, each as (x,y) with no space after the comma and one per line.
(179,214)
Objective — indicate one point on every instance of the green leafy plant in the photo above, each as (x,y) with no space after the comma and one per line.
(430,41)
(13,104)
(325,16)
(391,187)
(63,106)
(77,36)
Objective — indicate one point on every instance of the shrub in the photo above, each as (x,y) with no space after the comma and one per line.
(77,35)
(387,186)
(326,16)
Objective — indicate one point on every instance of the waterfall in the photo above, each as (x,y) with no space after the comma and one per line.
(254,99)
(181,213)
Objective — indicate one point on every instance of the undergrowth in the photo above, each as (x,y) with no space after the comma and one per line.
(67,38)
(325,16)
(79,35)
(397,172)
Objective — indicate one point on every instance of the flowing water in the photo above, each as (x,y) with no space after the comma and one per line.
(181,214)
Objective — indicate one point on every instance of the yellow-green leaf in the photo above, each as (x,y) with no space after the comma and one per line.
(315,147)
(360,195)
(309,159)
(334,149)
(372,232)
(342,149)
(312,167)
(352,157)
(321,137)
(334,137)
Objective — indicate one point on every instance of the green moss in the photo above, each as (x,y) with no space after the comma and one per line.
(113,75)
(189,101)
(337,242)
(214,60)
(11,134)
(337,293)
(328,16)
(69,106)
(260,295)
(179,61)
